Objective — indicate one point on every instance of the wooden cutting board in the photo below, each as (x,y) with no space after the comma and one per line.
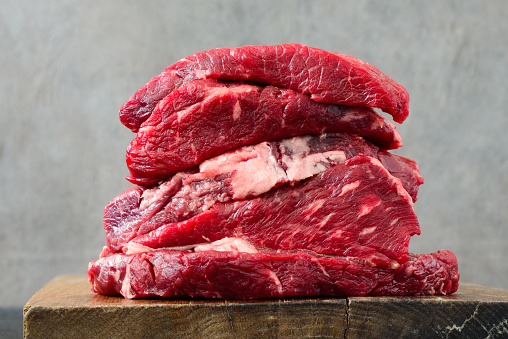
(66,308)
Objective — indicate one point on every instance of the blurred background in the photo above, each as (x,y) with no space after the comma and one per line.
(67,66)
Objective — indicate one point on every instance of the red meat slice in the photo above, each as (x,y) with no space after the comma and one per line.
(228,207)
(206,118)
(243,173)
(328,77)
(355,209)
(238,275)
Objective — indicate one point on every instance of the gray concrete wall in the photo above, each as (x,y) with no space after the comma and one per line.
(67,66)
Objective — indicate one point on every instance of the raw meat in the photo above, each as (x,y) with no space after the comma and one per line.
(206,118)
(236,175)
(355,209)
(403,168)
(240,275)
(264,172)
(327,77)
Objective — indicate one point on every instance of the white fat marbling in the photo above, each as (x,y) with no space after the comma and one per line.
(227,244)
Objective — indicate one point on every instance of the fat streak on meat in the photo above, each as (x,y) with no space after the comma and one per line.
(206,118)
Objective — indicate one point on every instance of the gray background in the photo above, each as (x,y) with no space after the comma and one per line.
(67,66)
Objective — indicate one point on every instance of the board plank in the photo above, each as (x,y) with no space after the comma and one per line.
(66,308)
(473,312)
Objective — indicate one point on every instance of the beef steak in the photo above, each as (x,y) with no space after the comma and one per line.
(240,275)
(355,209)
(206,118)
(244,173)
(262,172)
(326,76)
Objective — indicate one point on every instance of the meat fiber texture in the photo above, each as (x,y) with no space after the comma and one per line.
(327,77)
(265,172)
(246,172)
(206,118)
(240,275)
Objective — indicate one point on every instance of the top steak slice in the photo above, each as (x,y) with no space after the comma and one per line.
(206,118)
(326,76)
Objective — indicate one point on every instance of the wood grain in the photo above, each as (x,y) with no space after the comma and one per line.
(66,308)
(473,312)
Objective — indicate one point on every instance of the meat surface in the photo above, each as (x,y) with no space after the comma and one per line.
(403,168)
(355,209)
(327,77)
(240,275)
(244,173)
(265,172)
(206,118)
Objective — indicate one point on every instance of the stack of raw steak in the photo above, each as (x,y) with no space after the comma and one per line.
(263,171)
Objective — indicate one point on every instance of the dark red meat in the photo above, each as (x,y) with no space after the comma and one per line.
(206,118)
(264,172)
(403,168)
(229,177)
(355,209)
(328,77)
(237,275)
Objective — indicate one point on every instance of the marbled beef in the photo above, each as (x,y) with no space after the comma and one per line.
(356,209)
(206,118)
(264,172)
(236,175)
(241,275)
(328,77)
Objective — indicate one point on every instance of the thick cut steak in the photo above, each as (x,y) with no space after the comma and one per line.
(206,118)
(236,175)
(327,77)
(355,209)
(240,275)
(264,172)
